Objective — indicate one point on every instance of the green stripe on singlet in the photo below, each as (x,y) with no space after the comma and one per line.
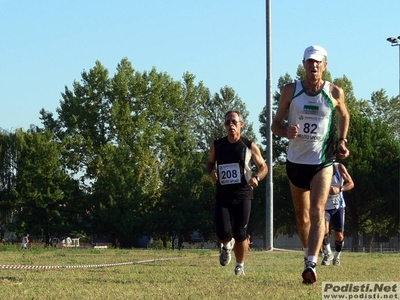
(330,124)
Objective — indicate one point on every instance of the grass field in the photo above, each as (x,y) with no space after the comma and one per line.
(167,274)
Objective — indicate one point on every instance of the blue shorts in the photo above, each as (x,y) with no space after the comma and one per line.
(337,218)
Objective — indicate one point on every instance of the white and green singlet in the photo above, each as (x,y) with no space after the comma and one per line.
(314,144)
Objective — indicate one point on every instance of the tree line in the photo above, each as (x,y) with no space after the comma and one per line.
(124,156)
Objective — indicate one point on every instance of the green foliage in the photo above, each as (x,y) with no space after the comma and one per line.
(125,155)
(40,189)
(159,245)
(137,143)
(214,111)
(373,164)
(8,165)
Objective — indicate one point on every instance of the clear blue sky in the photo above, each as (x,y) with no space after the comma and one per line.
(45,45)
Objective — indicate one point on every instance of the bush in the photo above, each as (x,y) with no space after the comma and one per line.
(158,244)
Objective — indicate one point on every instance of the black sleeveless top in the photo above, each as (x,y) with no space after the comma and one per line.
(231,163)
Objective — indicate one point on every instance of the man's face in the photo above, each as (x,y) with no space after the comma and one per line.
(314,68)
(233,123)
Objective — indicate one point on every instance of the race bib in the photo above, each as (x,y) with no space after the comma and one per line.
(229,174)
(336,202)
(312,127)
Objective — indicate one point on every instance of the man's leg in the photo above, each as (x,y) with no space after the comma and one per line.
(301,203)
(339,243)
(338,225)
(223,228)
(320,185)
(319,190)
(241,220)
(327,253)
(241,249)
(326,242)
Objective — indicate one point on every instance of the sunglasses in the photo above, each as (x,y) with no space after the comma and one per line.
(234,122)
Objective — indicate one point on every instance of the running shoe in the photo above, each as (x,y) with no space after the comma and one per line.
(239,270)
(310,273)
(326,261)
(225,254)
(336,261)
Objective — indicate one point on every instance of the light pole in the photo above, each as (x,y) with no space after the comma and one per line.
(396,43)
(269,195)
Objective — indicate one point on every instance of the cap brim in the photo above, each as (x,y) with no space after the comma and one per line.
(316,57)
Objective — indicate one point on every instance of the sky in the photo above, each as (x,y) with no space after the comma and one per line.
(46,45)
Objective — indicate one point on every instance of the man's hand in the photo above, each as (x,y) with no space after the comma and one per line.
(292,131)
(343,151)
(214,175)
(253,182)
(334,190)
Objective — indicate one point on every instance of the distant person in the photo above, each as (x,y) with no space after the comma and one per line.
(335,213)
(310,105)
(49,242)
(25,241)
(229,166)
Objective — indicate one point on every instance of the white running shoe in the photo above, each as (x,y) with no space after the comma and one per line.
(336,261)
(239,270)
(326,261)
(225,253)
(310,273)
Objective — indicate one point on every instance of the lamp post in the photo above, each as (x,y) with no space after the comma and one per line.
(395,42)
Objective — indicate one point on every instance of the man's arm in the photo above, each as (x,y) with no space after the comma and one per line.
(211,164)
(344,120)
(257,158)
(284,102)
(211,159)
(348,181)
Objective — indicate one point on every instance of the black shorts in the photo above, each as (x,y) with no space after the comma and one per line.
(300,175)
(232,218)
(337,218)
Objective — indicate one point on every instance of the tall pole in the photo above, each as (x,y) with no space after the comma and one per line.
(396,43)
(269,217)
(398,46)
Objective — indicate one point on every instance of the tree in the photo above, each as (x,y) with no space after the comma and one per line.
(110,127)
(8,171)
(388,110)
(41,182)
(131,139)
(215,109)
(124,193)
(373,164)
(182,159)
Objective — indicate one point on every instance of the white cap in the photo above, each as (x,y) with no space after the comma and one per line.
(315,52)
